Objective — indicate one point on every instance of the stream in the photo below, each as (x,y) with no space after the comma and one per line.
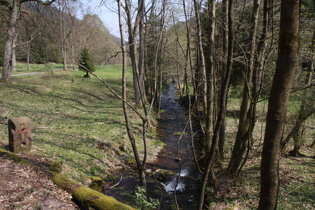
(176,158)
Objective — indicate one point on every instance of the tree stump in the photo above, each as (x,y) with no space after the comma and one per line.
(20,136)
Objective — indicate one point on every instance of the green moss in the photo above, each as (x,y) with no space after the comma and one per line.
(63,182)
(131,162)
(163,175)
(97,184)
(87,196)
(13,156)
(178,134)
(97,200)
(96,178)
(56,166)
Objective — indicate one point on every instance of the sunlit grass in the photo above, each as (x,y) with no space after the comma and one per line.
(296,174)
(76,120)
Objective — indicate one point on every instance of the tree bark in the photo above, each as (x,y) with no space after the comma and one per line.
(13,65)
(278,100)
(28,51)
(210,74)
(307,109)
(132,40)
(224,69)
(141,57)
(247,113)
(14,9)
(201,69)
(223,105)
(140,164)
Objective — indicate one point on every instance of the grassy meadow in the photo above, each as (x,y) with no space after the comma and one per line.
(75,120)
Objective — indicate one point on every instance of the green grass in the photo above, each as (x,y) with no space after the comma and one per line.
(76,120)
(297,175)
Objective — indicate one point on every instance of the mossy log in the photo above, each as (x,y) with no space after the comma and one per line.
(87,196)
(83,195)
(13,156)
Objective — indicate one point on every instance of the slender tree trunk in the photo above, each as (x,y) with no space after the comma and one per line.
(141,12)
(140,164)
(245,128)
(28,51)
(158,72)
(222,109)
(307,109)
(201,71)
(278,100)
(13,66)
(14,9)
(72,53)
(138,76)
(210,74)
(63,37)
(224,69)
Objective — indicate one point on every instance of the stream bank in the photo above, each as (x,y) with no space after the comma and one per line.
(174,166)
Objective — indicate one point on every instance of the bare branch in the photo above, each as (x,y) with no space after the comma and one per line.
(112,91)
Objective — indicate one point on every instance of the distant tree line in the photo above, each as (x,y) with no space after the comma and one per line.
(55,34)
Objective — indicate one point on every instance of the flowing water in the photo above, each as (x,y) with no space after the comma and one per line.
(176,157)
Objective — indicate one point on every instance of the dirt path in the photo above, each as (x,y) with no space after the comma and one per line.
(30,73)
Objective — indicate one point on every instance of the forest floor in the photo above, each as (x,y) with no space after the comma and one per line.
(27,186)
(297,186)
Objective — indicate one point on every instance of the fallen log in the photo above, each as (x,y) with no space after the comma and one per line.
(88,197)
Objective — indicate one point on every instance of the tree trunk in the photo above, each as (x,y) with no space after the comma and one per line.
(140,167)
(201,70)
(222,109)
(63,37)
(28,50)
(210,74)
(14,9)
(224,69)
(132,40)
(247,113)
(72,53)
(141,57)
(278,100)
(306,110)
(13,65)
(307,107)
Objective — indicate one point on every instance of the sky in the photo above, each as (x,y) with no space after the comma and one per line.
(105,9)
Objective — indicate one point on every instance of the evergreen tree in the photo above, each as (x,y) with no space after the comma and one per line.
(86,62)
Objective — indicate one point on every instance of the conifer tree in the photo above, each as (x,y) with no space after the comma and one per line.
(86,62)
